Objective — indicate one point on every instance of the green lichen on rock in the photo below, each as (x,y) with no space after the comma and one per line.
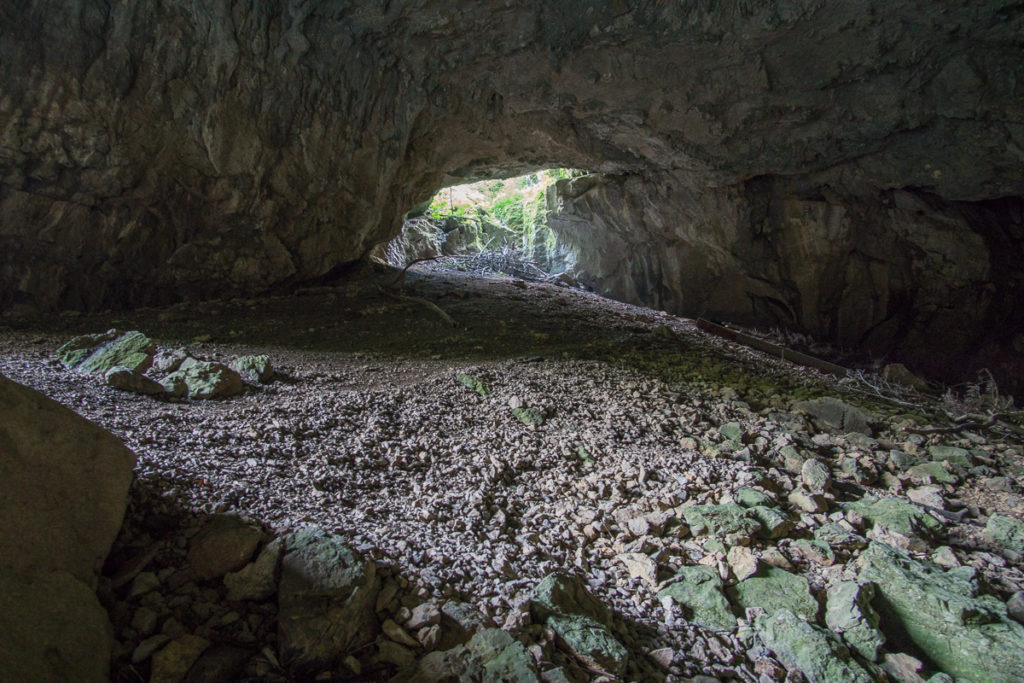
(580,621)
(257,367)
(698,590)
(838,536)
(897,514)
(731,431)
(813,651)
(490,655)
(1006,531)
(968,635)
(776,589)
(952,455)
(204,380)
(477,385)
(849,613)
(98,353)
(529,416)
(931,471)
(750,497)
(774,522)
(728,521)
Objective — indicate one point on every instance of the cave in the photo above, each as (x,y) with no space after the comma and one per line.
(309,462)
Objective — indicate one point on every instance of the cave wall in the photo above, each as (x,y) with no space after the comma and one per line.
(152,152)
(903,275)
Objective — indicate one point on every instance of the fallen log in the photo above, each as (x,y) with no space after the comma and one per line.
(769,348)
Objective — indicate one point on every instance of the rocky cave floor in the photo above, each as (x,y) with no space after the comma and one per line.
(599,433)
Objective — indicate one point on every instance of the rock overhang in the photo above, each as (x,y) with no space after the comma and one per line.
(188,151)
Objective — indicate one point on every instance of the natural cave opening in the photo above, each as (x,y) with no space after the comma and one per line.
(496,226)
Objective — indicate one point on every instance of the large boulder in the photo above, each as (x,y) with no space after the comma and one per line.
(63,492)
(698,590)
(326,600)
(944,615)
(490,655)
(100,353)
(809,649)
(580,621)
(203,380)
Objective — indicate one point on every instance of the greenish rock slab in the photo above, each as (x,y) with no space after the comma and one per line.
(698,590)
(816,653)
(836,415)
(490,655)
(326,599)
(774,522)
(98,353)
(951,454)
(848,612)
(838,536)
(477,385)
(750,497)
(729,522)
(1006,531)
(966,634)
(258,367)
(580,621)
(529,416)
(897,514)
(776,589)
(932,471)
(204,380)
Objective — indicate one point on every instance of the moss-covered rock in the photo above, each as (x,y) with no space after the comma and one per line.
(951,454)
(750,497)
(580,621)
(776,589)
(897,514)
(774,522)
(698,590)
(474,383)
(927,472)
(1006,531)
(848,612)
(204,380)
(254,367)
(838,536)
(942,613)
(729,522)
(813,651)
(529,416)
(99,353)
(490,655)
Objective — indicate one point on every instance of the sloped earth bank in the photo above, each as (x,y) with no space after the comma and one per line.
(701,492)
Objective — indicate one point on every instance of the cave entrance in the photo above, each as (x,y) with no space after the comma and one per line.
(497,226)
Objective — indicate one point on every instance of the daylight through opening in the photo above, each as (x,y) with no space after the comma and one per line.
(490,227)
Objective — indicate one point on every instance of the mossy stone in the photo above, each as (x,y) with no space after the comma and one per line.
(816,653)
(776,589)
(698,589)
(99,353)
(965,633)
